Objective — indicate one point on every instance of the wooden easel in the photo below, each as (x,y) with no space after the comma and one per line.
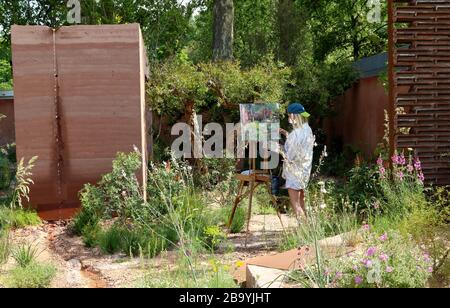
(252,181)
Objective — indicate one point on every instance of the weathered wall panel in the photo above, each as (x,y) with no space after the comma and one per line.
(421,62)
(77,122)
(359,121)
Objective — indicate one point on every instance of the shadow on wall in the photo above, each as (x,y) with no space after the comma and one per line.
(360,116)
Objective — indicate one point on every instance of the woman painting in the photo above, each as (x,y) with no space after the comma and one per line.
(298,157)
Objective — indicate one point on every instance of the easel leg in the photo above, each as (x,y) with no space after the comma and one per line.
(249,215)
(275,204)
(236,204)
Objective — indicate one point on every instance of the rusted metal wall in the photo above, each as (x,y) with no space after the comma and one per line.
(79,99)
(359,121)
(7,124)
(420,61)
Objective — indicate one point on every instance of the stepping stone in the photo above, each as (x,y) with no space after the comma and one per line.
(265,278)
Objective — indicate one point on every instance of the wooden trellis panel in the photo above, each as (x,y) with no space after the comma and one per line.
(420,47)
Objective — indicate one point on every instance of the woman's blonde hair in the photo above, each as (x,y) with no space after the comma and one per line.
(298,120)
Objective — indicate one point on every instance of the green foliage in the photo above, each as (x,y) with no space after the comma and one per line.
(90,234)
(132,241)
(18,218)
(118,193)
(389,261)
(217,178)
(213,237)
(317,84)
(93,207)
(320,225)
(22,183)
(121,189)
(197,275)
(165,23)
(166,187)
(5,248)
(340,28)
(256,29)
(25,254)
(5,76)
(34,275)
(5,173)
(240,218)
(440,199)
(175,84)
(428,228)
(363,187)
(230,84)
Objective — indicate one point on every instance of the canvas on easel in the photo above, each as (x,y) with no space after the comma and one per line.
(258,122)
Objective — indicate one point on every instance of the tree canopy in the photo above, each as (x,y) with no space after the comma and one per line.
(317,40)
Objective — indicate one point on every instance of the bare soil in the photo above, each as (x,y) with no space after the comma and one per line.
(81,267)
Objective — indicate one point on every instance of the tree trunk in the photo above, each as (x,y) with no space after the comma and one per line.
(288,31)
(223,30)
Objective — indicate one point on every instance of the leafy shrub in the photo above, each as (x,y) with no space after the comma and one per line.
(18,218)
(440,199)
(240,218)
(402,188)
(118,193)
(34,275)
(428,228)
(167,182)
(388,261)
(90,234)
(362,187)
(213,237)
(92,208)
(5,173)
(111,241)
(24,255)
(122,192)
(218,175)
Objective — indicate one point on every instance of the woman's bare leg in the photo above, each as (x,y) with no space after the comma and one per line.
(302,202)
(295,197)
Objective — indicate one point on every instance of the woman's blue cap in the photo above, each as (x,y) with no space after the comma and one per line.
(297,108)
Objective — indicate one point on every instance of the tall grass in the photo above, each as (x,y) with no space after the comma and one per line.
(4,246)
(22,183)
(25,254)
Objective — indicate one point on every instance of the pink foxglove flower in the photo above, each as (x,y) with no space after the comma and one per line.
(417,164)
(396,159)
(389,269)
(382,171)
(410,168)
(358,280)
(380,161)
(402,160)
(421,177)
